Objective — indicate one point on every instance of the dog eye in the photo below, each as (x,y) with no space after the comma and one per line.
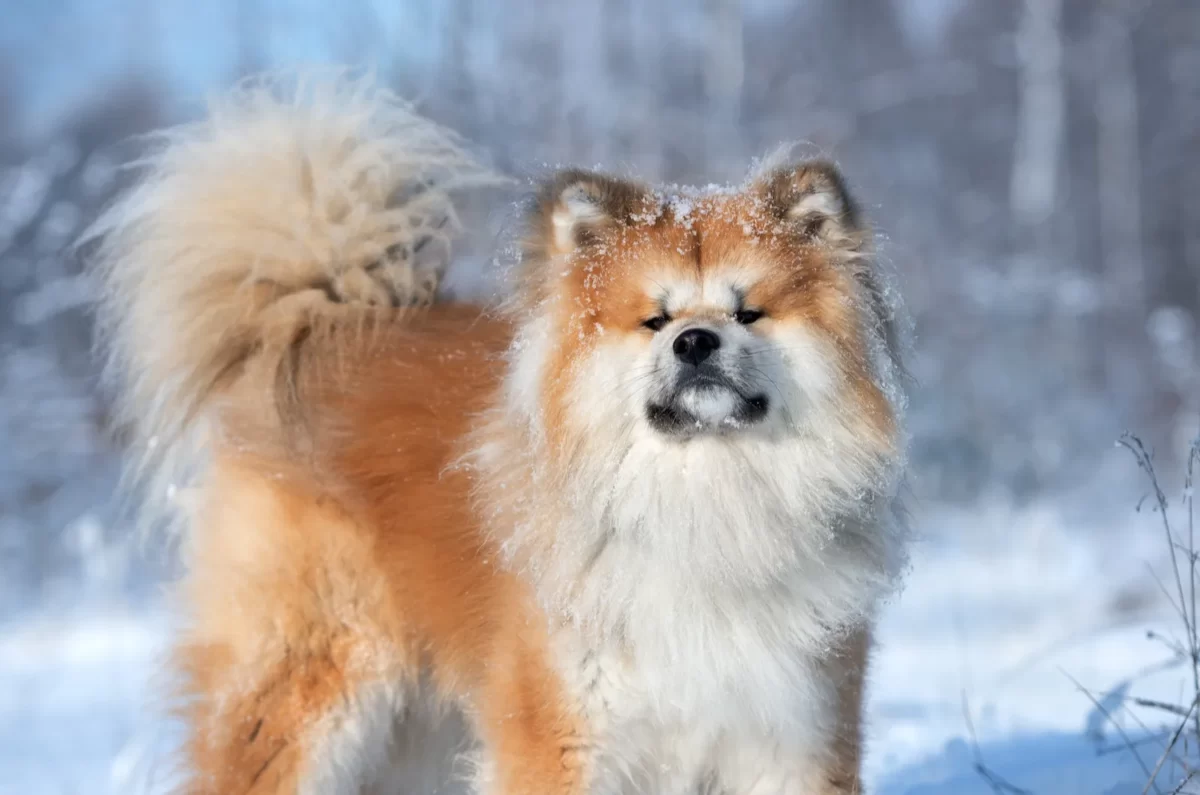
(656,323)
(747,316)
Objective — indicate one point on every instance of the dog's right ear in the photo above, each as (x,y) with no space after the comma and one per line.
(572,210)
(574,207)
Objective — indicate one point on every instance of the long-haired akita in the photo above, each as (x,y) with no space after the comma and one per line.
(629,530)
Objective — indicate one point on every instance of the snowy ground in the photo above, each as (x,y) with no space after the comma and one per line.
(75,705)
(1009,627)
(1041,331)
(1004,621)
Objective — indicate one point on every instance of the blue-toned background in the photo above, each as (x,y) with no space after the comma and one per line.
(1034,172)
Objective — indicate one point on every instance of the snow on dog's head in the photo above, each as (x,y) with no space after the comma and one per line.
(709,369)
(687,315)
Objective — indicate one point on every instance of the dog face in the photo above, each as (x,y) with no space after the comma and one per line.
(703,387)
(732,314)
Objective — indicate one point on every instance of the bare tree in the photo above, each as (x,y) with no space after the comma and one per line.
(1118,167)
(724,73)
(1040,121)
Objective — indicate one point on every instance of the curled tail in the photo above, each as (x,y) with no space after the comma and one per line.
(292,204)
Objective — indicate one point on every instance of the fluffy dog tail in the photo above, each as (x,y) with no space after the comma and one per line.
(294,204)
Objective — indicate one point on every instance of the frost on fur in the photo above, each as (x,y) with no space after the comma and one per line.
(712,548)
(292,203)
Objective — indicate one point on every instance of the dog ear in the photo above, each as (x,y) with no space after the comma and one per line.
(574,207)
(812,195)
(571,210)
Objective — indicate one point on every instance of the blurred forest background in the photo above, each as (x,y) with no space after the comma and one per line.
(1033,169)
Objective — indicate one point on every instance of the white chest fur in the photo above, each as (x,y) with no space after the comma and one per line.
(697,588)
(696,632)
(691,699)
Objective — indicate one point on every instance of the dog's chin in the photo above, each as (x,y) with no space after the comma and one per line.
(707,409)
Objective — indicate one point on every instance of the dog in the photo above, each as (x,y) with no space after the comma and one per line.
(626,531)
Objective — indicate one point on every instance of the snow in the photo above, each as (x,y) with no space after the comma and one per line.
(1002,621)
(79,704)
(1032,571)
(1005,627)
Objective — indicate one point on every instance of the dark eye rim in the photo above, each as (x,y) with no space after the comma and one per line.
(748,316)
(656,323)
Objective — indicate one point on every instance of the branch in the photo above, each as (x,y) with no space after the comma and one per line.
(1121,731)
(1167,751)
(1172,708)
(998,783)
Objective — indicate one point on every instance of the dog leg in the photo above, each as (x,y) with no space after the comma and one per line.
(827,758)
(533,740)
(292,683)
(307,728)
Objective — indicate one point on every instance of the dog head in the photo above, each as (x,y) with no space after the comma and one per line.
(700,434)
(707,380)
(730,314)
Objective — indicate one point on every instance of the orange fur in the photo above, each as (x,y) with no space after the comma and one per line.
(363,563)
(807,289)
(372,522)
(363,547)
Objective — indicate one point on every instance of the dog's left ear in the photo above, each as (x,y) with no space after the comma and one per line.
(813,196)
(574,207)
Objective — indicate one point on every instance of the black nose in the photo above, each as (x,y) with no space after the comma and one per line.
(695,345)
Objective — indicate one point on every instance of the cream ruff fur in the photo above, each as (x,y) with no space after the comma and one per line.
(626,535)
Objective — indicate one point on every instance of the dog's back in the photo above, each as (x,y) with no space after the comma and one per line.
(623,590)
(292,390)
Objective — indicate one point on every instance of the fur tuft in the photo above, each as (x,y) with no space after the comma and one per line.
(295,204)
